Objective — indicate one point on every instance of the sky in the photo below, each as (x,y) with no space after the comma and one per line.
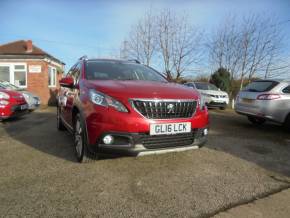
(70,29)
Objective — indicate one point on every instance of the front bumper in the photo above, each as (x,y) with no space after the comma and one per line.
(13,111)
(137,144)
(33,103)
(263,109)
(214,104)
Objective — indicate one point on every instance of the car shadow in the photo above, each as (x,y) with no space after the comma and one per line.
(38,130)
(266,145)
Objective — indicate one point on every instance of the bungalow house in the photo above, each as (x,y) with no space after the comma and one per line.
(29,67)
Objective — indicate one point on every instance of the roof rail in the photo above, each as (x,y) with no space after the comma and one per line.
(135,60)
(85,57)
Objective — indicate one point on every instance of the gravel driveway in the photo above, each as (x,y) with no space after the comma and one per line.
(40,176)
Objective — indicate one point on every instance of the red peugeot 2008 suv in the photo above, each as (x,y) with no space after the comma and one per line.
(124,107)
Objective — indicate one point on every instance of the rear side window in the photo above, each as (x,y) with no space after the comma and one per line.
(260,86)
(286,90)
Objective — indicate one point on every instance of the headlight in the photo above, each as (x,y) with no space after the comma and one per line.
(4,102)
(4,95)
(25,96)
(101,99)
(206,95)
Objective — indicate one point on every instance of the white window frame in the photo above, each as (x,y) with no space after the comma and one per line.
(12,72)
(50,70)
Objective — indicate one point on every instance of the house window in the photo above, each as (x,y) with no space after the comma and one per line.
(15,73)
(20,77)
(4,73)
(51,76)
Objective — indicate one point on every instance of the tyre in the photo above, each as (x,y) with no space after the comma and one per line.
(223,108)
(256,120)
(287,123)
(80,142)
(60,125)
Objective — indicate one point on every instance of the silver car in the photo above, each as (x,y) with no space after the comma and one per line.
(212,96)
(264,100)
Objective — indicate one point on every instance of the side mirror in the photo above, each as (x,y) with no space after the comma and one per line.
(67,82)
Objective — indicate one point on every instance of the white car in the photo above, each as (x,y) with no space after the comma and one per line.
(212,96)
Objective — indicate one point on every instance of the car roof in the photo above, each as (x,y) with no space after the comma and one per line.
(113,60)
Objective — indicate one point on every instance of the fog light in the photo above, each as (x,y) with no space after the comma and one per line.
(108,139)
(205,131)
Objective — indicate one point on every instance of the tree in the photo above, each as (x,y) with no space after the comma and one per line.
(141,43)
(247,48)
(221,78)
(179,43)
(187,47)
(224,47)
(168,37)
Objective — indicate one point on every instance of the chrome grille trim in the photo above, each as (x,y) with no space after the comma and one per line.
(157,109)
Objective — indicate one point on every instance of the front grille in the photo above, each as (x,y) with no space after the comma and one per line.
(166,141)
(165,109)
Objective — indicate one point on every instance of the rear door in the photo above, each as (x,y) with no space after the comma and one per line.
(63,99)
(71,93)
(285,103)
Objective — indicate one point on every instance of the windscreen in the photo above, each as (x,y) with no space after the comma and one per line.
(7,85)
(260,86)
(109,70)
(205,86)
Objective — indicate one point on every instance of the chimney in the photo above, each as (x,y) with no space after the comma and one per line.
(28,46)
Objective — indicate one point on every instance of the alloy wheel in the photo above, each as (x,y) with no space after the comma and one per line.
(78,138)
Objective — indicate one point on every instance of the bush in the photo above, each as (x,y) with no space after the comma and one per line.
(221,78)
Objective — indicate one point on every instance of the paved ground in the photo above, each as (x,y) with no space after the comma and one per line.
(240,164)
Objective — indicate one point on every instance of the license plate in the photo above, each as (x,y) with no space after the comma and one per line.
(219,101)
(248,101)
(169,128)
(24,107)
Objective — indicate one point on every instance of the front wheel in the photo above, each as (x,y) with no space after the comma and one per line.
(256,120)
(80,142)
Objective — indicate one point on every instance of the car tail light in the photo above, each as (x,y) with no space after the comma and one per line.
(268,97)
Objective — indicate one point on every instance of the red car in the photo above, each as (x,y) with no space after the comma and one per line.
(124,107)
(12,103)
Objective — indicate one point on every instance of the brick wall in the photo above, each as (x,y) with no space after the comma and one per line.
(37,83)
